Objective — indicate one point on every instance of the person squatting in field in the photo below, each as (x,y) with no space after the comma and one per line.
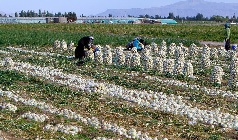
(136,42)
(227,36)
(80,53)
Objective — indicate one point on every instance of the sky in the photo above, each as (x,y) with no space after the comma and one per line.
(85,7)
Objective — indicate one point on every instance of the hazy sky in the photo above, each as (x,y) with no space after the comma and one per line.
(86,7)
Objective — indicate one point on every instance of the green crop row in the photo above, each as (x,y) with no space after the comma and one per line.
(111,34)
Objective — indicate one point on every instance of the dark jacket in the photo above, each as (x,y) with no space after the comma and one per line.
(86,41)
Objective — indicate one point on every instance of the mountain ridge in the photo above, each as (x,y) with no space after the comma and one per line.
(188,8)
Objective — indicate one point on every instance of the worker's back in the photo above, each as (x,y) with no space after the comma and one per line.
(136,43)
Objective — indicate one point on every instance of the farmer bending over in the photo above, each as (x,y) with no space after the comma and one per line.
(137,44)
(87,42)
(134,43)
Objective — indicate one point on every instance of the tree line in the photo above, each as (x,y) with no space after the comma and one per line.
(72,16)
(198,17)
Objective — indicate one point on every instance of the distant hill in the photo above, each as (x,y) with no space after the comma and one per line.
(183,9)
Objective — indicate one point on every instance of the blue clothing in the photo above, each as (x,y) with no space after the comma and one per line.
(96,49)
(136,43)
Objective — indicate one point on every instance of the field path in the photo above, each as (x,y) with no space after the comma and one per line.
(212,43)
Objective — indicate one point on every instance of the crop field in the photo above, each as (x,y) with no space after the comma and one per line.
(174,89)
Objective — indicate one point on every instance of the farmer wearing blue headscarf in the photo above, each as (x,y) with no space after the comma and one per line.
(137,44)
(227,36)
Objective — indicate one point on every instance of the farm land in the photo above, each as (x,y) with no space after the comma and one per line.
(45,95)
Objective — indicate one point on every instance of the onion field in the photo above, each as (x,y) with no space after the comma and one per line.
(174,89)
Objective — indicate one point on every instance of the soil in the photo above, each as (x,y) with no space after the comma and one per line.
(212,44)
(7,136)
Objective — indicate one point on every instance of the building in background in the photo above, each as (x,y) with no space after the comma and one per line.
(91,20)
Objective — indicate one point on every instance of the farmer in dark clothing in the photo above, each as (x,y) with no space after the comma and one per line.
(129,46)
(87,42)
(143,42)
(227,36)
